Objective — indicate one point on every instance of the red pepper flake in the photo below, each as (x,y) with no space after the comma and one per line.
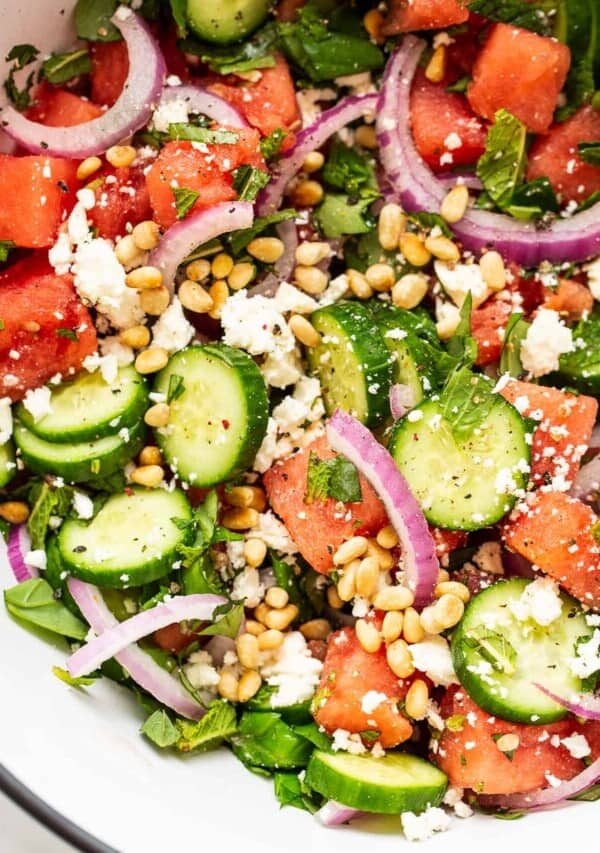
(225,423)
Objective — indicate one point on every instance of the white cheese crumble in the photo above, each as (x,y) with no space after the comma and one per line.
(83,505)
(6,420)
(290,299)
(294,671)
(200,672)
(37,402)
(539,601)
(577,745)
(273,533)
(425,825)
(174,112)
(247,587)
(432,656)
(100,280)
(458,280)
(547,339)
(343,740)
(593,280)
(36,559)
(172,331)
(371,700)
(587,661)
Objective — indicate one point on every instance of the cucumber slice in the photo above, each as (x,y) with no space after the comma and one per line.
(460,484)
(226,21)
(131,541)
(90,408)
(397,782)
(82,462)
(8,465)
(498,658)
(218,422)
(352,362)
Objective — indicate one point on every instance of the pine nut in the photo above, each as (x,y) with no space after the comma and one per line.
(249,685)
(443,248)
(453,588)
(270,640)
(194,297)
(261,611)
(31,326)
(417,699)
(409,290)
(221,265)
(240,518)
(15,512)
(391,627)
(493,271)
(393,598)
(247,650)
(359,285)
(436,67)
(151,360)
(313,162)
(333,599)
(265,249)
(155,302)
(307,194)
(443,576)
(309,254)
(508,742)
(449,610)
(87,167)
(373,22)
(385,559)
(255,552)
(350,550)
(252,496)
(255,628)
(281,619)
(316,629)
(219,293)
(135,337)
(128,253)
(429,623)
(387,537)
(149,476)
(157,415)
(365,136)
(368,636)
(304,331)
(277,597)
(391,225)
(311,280)
(454,205)
(228,685)
(198,270)
(381,277)
(446,325)
(241,275)
(146,235)
(150,455)
(121,156)
(414,250)
(346,586)
(367,576)
(144,278)
(400,659)
(412,629)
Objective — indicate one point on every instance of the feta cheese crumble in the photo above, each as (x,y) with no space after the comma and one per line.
(294,671)
(172,331)
(547,339)
(425,825)
(539,601)
(432,656)
(37,402)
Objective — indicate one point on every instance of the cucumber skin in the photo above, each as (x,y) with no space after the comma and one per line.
(216,21)
(7,457)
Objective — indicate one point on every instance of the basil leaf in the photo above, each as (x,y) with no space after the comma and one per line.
(248,182)
(590,152)
(185,199)
(62,67)
(80,681)
(33,601)
(332,478)
(226,620)
(218,724)
(240,239)
(516,332)
(530,16)
(264,740)
(194,133)
(160,730)
(501,166)
(270,145)
(466,401)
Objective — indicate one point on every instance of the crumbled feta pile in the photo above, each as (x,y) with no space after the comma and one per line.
(587,660)
(247,587)
(83,505)
(593,278)
(432,656)
(539,601)
(294,671)
(37,402)
(547,339)
(172,331)
(200,671)
(425,825)
(342,740)
(6,420)
(100,280)
(458,280)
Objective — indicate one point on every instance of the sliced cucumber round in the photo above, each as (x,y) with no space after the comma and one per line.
(498,658)
(90,408)
(131,541)
(397,782)
(352,362)
(8,464)
(81,462)
(218,421)
(463,483)
(226,21)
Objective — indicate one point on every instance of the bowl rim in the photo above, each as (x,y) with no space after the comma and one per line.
(47,816)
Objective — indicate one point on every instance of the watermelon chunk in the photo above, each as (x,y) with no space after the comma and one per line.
(406,16)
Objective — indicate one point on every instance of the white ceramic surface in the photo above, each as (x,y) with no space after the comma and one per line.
(80,752)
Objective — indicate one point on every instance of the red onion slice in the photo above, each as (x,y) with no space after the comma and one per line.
(140,666)
(546,797)
(311,138)
(114,640)
(576,238)
(131,111)
(334,813)
(200,100)
(18,545)
(402,399)
(182,238)
(584,705)
(454,179)
(587,482)
(350,437)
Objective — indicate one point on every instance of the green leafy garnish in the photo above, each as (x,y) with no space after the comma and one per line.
(590,795)
(339,214)
(530,16)
(346,169)
(493,647)
(270,145)
(92,17)
(250,55)
(227,619)
(238,240)
(462,345)
(5,247)
(460,85)
(185,199)
(218,724)
(193,133)
(335,478)
(34,601)
(160,730)
(70,334)
(176,387)
(590,152)
(427,221)
(248,182)
(466,401)
(179,12)
(290,790)
(46,501)
(62,67)
(79,681)
(456,722)
(264,740)
(516,332)
(20,55)
(578,26)
(502,165)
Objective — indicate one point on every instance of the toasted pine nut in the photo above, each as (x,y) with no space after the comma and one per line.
(373,22)
(313,162)
(308,254)
(316,629)
(155,302)
(333,598)
(391,225)
(146,235)
(381,277)
(194,297)
(365,135)
(417,699)
(350,550)
(412,630)
(255,552)
(387,537)
(311,280)
(128,253)
(448,610)
(346,586)
(121,156)
(277,597)
(261,612)
(391,628)
(255,628)
(252,496)
(144,278)
(393,598)
(221,265)
(443,248)
(367,576)
(453,588)
(150,476)
(436,67)
(385,558)
(219,293)
(270,639)
(87,167)
(240,518)
(428,620)
(135,337)
(493,271)
(265,249)
(368,636)
(359,285)
(15,512)
(228,685)
(241,275)
(157,415)
(247,650)
(282,618)
(443,576)
(31,326)
(150,455)
(454,205)
(198,270)
(409,290)
(307,193)
(400,659)
(249,685)
(304,331)
(508,742)
(151,360)
(414,249)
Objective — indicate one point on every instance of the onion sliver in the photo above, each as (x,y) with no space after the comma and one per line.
(575,238)
(140,666)
(202,101)
(334,813)
(130,112)
(584,705)
(18,545)
(348,436)
(402,399)
(197,228)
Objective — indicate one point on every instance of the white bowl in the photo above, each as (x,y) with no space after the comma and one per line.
(76,761)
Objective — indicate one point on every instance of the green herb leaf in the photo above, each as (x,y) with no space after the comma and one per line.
(179,12)
(590,152)
(22,55)
(462,345)
(5,247)
(185,199)
(238,240)
(92,20)
(427,221)
(226,620)
(270,146)
(46,501)
(33,601)
(492,647)
(332,478)
(294,585)
(460,86)
(502,165)
(347,169)
(590,795)
(264,740)
(80,681)
(531,16)
(466,401)
(250,55)
(290,791)
(248,182)
(218,724)
(160,730)
(194,133)
(578,26)
(339,214)
(456,722)
(319,739)
(581,366)
(533,200)
(70,334)
(62,67)
(176,387)
(515,334)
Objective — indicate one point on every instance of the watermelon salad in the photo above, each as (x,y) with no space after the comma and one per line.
(299,366)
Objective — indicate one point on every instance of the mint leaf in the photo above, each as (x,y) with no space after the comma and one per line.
(516,332)
(348,170)
(462,345)
(46,501)
(218,724)
(179,12)
(335,478)
(160,730)
(501,166)
(533,200)
(531,16)
(466,401)
(590,152)
(291,791)
(176,387)
(80,681)
(251,54)
(578,26)
(193,133)
(62,67)
(270,146)
(226,620)
(185,199)
(70,334)
(427,221)
(33,601)
(20,55)
(248,182)
(240,239)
